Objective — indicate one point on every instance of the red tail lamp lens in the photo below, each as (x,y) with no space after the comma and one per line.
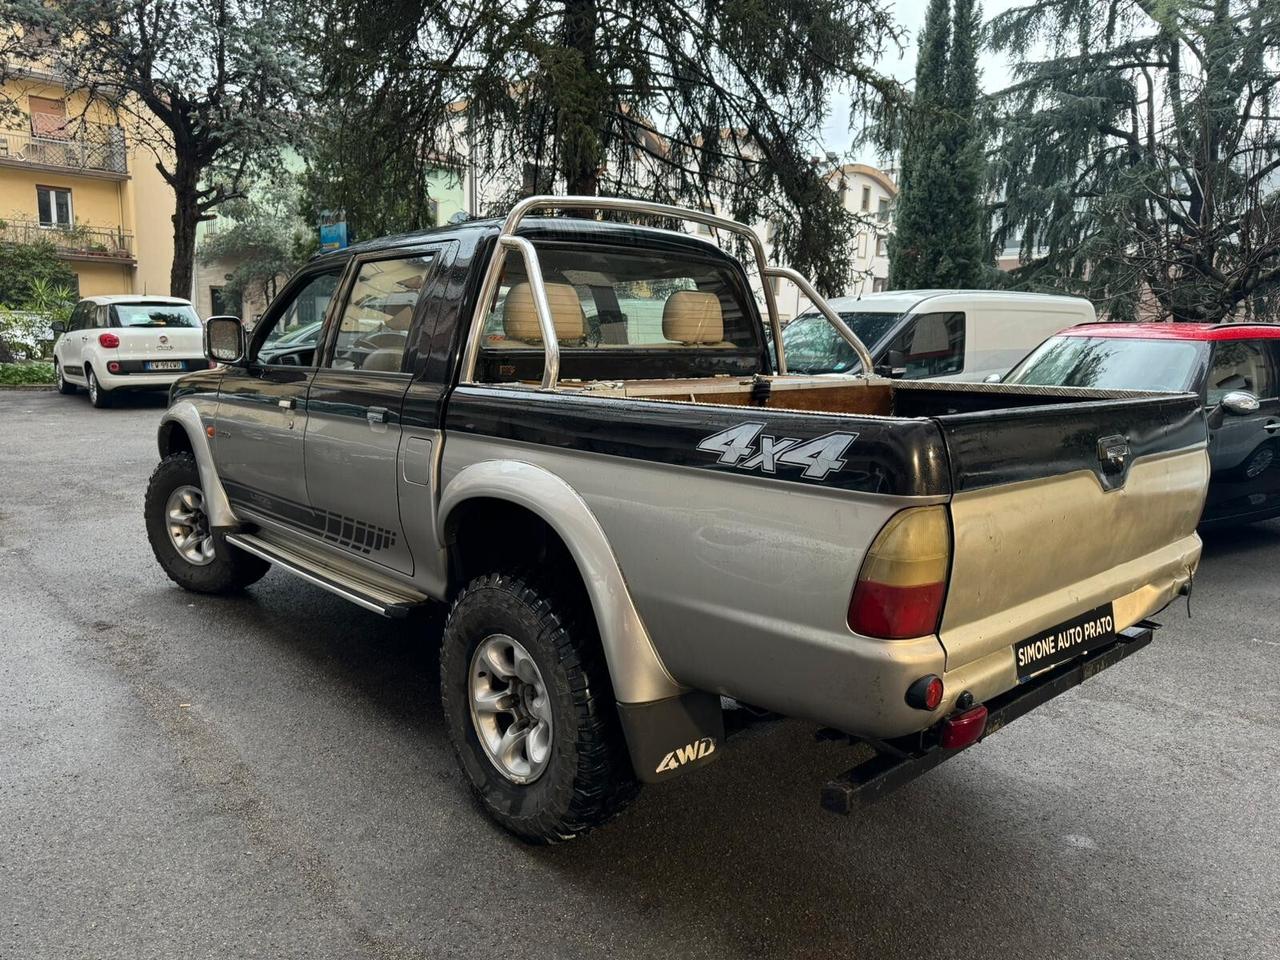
(964,729)
(903,581)
(108,340)
(113,367)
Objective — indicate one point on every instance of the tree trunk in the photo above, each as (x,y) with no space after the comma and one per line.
(186,215)
(581,112)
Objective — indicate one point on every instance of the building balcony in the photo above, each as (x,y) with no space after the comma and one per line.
(87,149)
(73,243)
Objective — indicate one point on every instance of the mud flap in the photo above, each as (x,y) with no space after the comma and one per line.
(668,737)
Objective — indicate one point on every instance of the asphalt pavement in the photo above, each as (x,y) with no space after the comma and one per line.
(268,776)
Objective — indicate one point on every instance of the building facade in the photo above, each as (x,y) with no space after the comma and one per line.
(71,174)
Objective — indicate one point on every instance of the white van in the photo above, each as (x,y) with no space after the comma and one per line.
(933,334)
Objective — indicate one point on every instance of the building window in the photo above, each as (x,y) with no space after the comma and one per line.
(866,199)
(862,244)
(877,285)
(433,212)
(220,304)
(881,247)
(48,117)
(883,213)
(54,204)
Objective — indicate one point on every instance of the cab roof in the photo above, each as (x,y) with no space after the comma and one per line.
(1176,331)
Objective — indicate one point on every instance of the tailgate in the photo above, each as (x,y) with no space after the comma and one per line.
(1061,509)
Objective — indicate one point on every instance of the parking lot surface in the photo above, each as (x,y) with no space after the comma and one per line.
(268,776)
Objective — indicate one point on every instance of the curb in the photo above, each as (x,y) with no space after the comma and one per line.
(42,387)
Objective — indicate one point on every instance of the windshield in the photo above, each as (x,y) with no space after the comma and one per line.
(153,315)
(1110,363)
(814,346)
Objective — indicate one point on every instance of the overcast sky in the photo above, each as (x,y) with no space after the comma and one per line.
(910,13)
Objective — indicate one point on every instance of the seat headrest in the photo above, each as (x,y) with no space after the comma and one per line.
(386,359)
(693,316)
(520,319)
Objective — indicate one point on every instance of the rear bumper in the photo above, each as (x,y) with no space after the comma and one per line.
(133,376)
(898,763)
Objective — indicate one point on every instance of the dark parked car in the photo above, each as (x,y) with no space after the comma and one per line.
(1235,367)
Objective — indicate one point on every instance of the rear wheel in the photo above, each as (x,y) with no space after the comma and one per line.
(530,711)
(97,395)
(65,387)
(194,557)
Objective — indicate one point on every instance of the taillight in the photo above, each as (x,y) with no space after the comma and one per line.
(903,580)
(108,340)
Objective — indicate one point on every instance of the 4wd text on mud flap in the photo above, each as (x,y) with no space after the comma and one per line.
(690,751)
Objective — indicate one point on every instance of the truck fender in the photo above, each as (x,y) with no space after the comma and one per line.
(634,666)
(185,416)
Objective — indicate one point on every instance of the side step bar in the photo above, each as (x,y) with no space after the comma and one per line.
(892,767)
(381,598)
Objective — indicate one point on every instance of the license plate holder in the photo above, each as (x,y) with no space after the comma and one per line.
(1065,641)
(165,365)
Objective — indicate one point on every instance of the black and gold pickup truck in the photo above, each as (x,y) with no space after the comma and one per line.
(572,432)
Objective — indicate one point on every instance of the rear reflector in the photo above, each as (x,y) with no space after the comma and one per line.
(903,580)
(925,693)
(108,340)
(963,729)
(113,367)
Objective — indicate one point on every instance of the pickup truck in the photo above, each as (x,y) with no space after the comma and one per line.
(571,431)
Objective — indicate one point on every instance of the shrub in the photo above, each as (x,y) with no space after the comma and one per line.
(16,374)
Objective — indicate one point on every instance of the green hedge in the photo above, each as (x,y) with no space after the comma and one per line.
(12,374)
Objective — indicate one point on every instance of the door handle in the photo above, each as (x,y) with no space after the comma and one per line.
(377,414)
(288,404)
(1271,426)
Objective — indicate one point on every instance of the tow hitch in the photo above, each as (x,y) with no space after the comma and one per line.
(898,762)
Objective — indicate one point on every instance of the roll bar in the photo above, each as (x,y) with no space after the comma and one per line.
(507,240)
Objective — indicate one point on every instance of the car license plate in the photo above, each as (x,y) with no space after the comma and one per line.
(1066,641)
(165,364)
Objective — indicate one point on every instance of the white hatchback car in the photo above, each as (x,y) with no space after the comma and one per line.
(127,342)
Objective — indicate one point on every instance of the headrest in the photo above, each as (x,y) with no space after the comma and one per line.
(692,316)
(520,319)
(386,359)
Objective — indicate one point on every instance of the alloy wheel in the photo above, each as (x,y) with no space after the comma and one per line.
(188,525)
(510,708)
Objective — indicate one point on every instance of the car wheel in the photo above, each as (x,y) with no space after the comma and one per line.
(99,397)
(65,387)
(530,711)
(193,555)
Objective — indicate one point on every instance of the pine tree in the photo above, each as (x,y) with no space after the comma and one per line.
(1139,157)
(701,102)
(938,238)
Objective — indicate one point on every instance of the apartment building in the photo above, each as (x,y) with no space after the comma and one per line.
(72,174)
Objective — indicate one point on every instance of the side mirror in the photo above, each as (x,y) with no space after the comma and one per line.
(58,327)
(1240,402)
(224,339)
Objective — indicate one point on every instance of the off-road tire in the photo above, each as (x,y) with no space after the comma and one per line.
(231,569)
(65,386)
(588,779)
(98,396)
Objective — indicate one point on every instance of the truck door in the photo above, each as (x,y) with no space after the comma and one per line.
(262,412)
(354,425)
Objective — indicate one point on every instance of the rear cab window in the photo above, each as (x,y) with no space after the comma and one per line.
(623,313)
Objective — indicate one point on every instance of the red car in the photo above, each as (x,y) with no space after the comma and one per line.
(1235,367)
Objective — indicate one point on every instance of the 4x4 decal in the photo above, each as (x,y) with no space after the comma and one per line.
(737,447)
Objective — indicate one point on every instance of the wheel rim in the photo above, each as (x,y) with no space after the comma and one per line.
(510,708)
(93,387)
(188,525)
(1261,461)
(57,374)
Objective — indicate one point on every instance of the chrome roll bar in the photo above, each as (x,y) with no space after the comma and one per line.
(507,240)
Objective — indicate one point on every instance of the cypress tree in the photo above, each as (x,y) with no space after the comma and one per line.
(938,224)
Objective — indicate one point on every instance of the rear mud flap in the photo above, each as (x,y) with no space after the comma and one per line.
(668,737)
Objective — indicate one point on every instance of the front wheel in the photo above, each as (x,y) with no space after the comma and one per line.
(99,397)
(191,553)
(530,711)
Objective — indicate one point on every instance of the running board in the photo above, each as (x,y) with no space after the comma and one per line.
(381,598)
